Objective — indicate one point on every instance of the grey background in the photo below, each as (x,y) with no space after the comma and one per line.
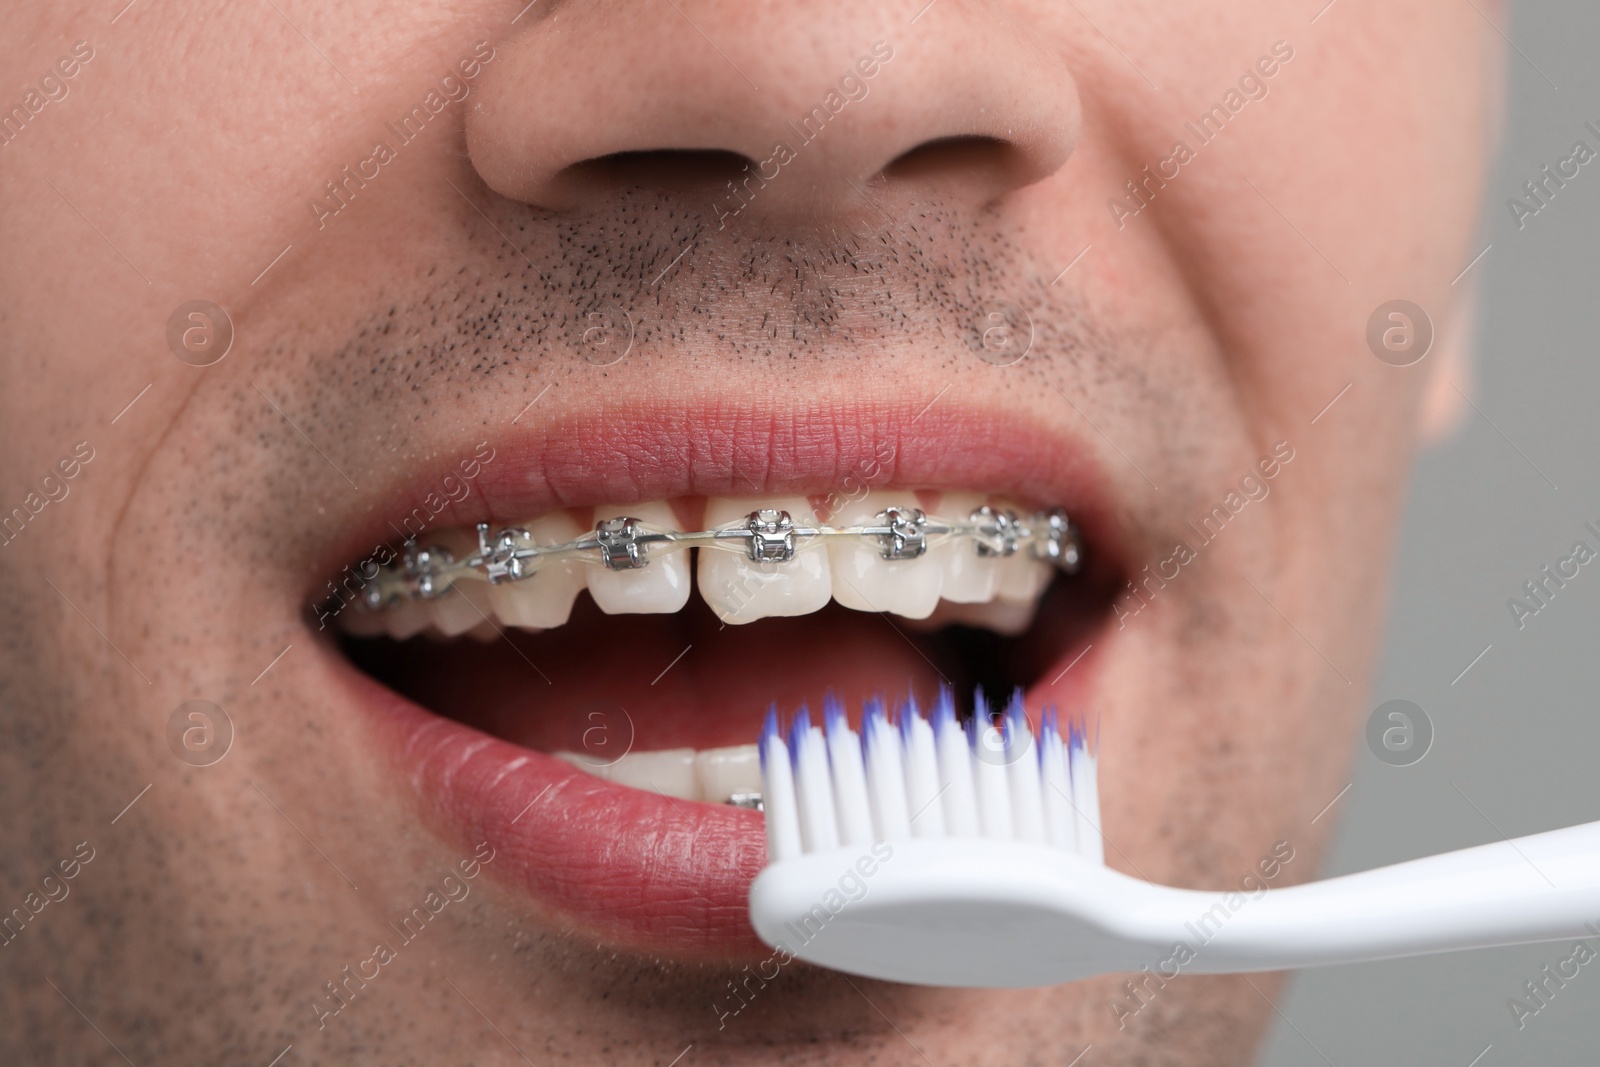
(1519,735)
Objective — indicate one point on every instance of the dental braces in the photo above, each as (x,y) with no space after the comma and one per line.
(765,536)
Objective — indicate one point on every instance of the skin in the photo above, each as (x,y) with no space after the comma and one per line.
(1190,340)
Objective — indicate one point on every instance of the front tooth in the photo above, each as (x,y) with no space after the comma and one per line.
(658,588)
(543,601)
(865,581)
(740,590)
(668,771)
(722,772)
(968,577)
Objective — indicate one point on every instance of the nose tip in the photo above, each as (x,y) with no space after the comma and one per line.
(770,107)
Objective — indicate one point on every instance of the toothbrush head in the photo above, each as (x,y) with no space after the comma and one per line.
(942,852)
(903,776)
(937,851)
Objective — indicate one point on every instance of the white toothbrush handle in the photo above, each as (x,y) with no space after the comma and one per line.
(1543,887)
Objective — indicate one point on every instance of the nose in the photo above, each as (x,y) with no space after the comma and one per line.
(770,107)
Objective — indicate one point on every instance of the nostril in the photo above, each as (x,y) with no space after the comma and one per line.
(967,160)
(661,168)
(980,107)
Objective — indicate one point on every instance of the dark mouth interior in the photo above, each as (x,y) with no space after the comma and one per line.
(686,680)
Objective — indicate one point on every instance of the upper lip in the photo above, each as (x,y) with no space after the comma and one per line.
(640,869)
(651,451)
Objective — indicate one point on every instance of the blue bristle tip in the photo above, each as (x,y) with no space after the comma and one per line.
(799,726)
(1015,710)
(1075,735)
(769,729)
(833,716)
(906,716)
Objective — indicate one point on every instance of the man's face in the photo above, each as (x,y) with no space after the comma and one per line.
(678,259)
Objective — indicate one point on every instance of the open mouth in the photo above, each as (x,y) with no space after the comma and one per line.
(594,712)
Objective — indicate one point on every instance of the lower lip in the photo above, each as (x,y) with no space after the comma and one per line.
(646,872)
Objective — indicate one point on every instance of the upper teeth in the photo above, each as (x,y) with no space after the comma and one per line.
(758,558)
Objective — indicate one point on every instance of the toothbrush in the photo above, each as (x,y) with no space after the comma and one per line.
(937,852)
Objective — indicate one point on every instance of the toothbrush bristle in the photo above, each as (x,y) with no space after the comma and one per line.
(769,731)
(794,738)
(833,716)
(905,716)
(1014,708)
(907,774)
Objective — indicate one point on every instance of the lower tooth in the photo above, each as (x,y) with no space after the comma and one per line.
(668,771)
(715,775)
(659,588)
(724,772)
